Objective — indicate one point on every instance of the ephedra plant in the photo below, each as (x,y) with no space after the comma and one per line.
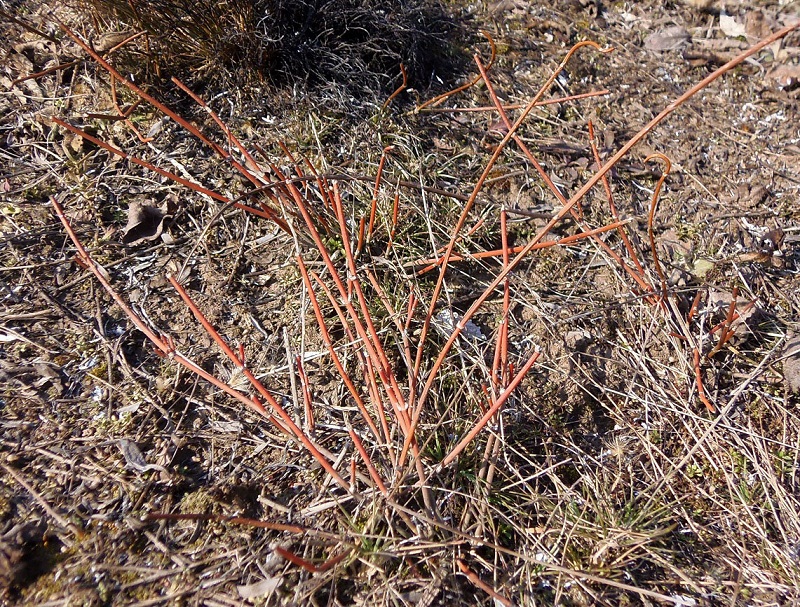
(388,358)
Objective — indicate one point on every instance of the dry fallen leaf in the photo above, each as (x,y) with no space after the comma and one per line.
(145,222)
(791,364)
(259,589)
(134,458)
(731,27)
(670,39)
(785,76)
(108,41)
(48,374)
(772,241)
(499,128)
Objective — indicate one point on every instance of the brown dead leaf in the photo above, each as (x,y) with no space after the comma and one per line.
(671,39)
(134,457)
(498,128)
(21,63)
(145,222)
(772,241)
(109,40)
(791,364)
(785,76)
(48,374)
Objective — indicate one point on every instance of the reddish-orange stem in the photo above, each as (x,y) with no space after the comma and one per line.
(726,332)
(308,566)
(307,400)
(124,114)
(701,393)
(343,292)
(480,424)
(462,220)
(367,461)
(164,345)
(172,176)
(224,127)
(332,351)
(403,330)
(693,309)
(651,219)
(610,196)
(583,191)
(61,66)
(575,211)
(513,250)
(296,560)
(400,88)
(149,98)
(366,365)
(376,190)
(382,362)
(287,420)
(473,577)
(500,363)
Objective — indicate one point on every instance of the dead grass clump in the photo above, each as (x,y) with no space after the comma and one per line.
(352,42)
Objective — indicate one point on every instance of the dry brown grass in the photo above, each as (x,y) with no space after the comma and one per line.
(308,43)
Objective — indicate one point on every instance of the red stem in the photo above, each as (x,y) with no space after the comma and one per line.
(332,351)
(287,420)
(479,425)
(585,189)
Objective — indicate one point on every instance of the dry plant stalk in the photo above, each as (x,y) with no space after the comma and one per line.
(473,577)
(389,438)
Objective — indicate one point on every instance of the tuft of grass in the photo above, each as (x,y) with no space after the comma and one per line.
(354,42)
